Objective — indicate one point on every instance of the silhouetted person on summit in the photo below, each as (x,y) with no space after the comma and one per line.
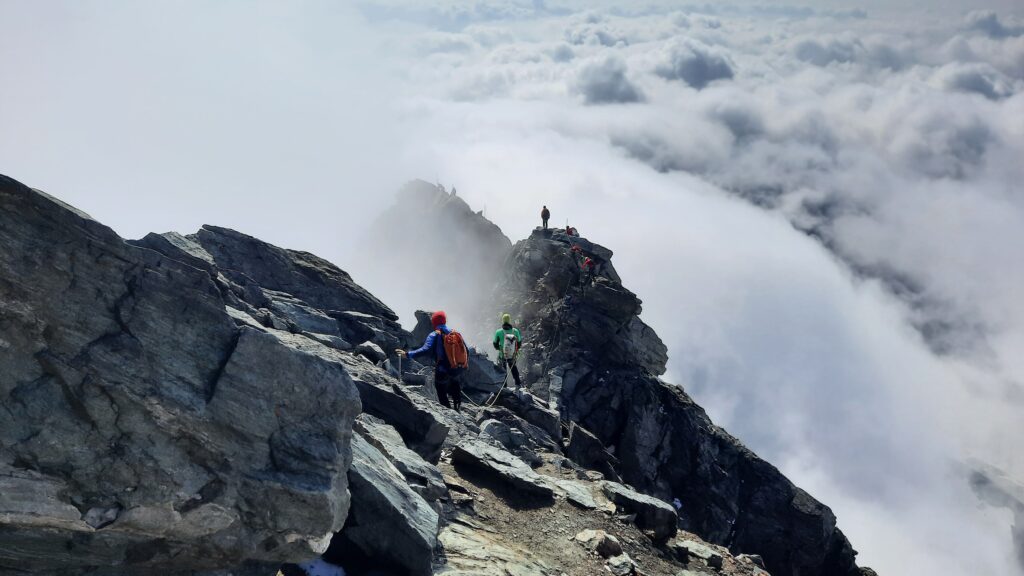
(545,214)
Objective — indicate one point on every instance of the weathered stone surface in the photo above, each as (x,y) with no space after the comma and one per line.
(299,315)
(687,549)
(178,247)
(599,541)
(586,450)
(424,478)
(371,352)
(502,433)
(482,379)
(621,565)
(503,465)
(312,279)
(417,419)
(332,341)
(142,427)
(534,411)
(652,514)
(388,524)
(532,437)
(471,552)
(575,492)
(755,560)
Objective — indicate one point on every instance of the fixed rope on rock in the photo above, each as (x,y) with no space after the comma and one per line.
(490,402)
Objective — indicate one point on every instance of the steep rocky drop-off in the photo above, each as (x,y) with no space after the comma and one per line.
(143,428)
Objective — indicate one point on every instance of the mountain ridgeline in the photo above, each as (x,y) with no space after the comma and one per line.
(210,404)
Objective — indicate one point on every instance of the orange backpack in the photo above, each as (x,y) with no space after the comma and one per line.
(455,349)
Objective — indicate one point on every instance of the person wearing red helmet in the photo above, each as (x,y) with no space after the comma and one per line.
(446,375)
(589,266)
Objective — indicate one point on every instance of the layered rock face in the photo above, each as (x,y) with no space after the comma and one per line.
(144,428)
(589,354)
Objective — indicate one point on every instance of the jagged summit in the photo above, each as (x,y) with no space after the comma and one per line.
(211,404)
(453,254)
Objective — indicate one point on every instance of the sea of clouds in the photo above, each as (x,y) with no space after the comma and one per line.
(821,209)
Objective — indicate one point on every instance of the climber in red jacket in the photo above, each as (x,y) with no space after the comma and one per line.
(589,266)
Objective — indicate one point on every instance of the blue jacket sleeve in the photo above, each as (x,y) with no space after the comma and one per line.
(428,345)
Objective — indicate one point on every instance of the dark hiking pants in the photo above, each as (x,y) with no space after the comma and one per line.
(515,372)
(447,385)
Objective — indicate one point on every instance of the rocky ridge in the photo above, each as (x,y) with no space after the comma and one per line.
(591,357)
(213,404)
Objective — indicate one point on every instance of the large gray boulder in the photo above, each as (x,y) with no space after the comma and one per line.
(534,411)
(423,477)
(389,524)
(651,513)
(144,431)
(503,466)
(534,438)
(417,419)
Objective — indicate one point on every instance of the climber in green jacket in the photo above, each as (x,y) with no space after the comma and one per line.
(507,341)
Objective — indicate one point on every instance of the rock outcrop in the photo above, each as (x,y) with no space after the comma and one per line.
(589,354)
(388,519)
(144,430)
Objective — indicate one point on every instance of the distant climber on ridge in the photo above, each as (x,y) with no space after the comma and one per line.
(545,215)
(589,267)
(576,251)
(451,357)
(507,341)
